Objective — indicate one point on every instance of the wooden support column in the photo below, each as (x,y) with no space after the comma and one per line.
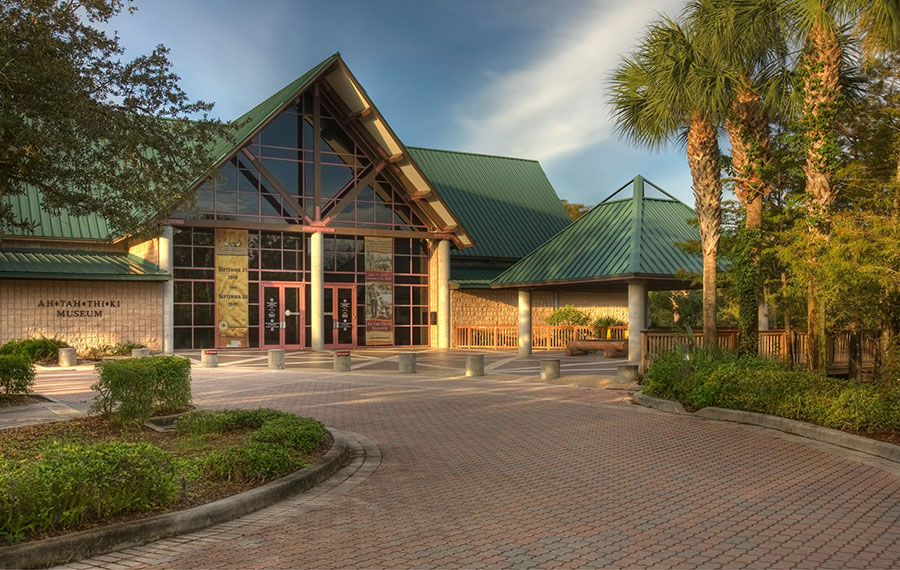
(317,291)
(637,318)
(524,322)
(166,258)
(443,259)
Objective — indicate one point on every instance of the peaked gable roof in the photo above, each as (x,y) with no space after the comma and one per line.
(507,204)
(618,238)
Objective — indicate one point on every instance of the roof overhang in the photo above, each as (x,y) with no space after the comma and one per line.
(364,118)
(77,265)
(608,283)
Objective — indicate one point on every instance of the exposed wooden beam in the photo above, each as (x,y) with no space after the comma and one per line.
(353,192)
(395,158)
(357,115)
(271,179)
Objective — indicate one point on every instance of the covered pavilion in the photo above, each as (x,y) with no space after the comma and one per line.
(624,243)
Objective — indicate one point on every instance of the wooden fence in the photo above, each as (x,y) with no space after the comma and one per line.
(772,344)
(544,337)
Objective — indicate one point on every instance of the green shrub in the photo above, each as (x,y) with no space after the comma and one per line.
(202,422)
(137,388)
(569,315)
(600,325)
(722,379)
(16,374)
(102,350)
(74,482)
(303,435)
(254,462)
(43,350)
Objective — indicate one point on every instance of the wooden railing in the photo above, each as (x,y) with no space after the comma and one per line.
(772,344)
(544,337)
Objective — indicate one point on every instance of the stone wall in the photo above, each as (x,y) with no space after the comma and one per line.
(500,306)
(82,313)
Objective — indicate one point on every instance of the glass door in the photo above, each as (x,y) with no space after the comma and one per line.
(340,316)
(282,320)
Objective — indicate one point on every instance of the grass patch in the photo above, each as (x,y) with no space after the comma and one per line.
(69,476)
(724,380)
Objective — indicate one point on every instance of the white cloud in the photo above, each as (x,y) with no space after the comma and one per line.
(555,105)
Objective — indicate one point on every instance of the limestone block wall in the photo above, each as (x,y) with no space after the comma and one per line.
(82,313)
(500,306)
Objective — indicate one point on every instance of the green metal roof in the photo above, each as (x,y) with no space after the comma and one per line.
(506,204)
(27,207)
(55,264)
(628,237)
(474,277)
(62,225)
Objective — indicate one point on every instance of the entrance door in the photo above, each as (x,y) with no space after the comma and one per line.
(281,319)
(340,316)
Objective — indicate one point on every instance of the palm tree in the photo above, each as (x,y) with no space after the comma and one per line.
(747,42)
(664,92)
(817,27)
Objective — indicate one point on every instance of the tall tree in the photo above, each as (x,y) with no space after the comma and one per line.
(93,133)
(817,25)
(664,92)
(746,40)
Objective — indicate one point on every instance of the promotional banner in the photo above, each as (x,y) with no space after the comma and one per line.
(232,289)
(379,291)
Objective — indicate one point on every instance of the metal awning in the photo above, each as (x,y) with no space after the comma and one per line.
(77,265)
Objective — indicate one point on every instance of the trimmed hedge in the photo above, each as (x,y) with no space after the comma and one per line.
(136,388)
(724,380)
(43,350)
(16,374)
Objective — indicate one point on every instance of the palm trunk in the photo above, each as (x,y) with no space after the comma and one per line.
(704,161)
(822,93)
(749,132)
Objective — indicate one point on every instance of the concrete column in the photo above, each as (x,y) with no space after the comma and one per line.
(166,258)
(317,291)
(407,362)
(276,358)
(524,322)
(549,369)
(474,365)
(637,318)
(443,255)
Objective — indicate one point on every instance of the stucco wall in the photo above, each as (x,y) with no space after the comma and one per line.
(82,313)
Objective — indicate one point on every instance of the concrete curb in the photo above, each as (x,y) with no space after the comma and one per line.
(75,546)
(839,438)
(658,403)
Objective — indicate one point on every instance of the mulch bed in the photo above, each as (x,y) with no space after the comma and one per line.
(16,400)
(22,443)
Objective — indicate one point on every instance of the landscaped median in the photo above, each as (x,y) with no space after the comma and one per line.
(77,488)
(864,416)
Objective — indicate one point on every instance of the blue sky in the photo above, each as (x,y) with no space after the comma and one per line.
(517,78)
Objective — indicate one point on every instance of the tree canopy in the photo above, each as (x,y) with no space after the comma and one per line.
(93,132)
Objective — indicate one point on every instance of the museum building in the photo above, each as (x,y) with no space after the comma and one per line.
(320,230)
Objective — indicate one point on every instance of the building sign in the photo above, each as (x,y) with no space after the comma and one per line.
(75,308)
(232,289)
(379,291)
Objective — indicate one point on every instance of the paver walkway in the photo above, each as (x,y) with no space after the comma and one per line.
(484,473)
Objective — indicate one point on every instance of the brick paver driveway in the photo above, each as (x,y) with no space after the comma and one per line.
(485,473)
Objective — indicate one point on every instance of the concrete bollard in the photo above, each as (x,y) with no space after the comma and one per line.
(276,358)
(341,360)
(209,358)
(140,352)
(67,357)
(474,365)
(407,362)
(627,374)
(549,368)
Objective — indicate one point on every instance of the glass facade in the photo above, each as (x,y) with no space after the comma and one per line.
(283,258)
(271,182)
